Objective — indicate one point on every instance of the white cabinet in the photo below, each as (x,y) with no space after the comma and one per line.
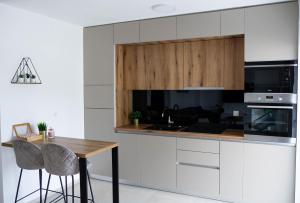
(269,173)
(231,170)
(98,55)
(198,145)
(127,32)
(157,159)
(158,29)
(233,22)
(199,181)
(99,126)
(99,96)
(129,168)
(271,32)
(198,25)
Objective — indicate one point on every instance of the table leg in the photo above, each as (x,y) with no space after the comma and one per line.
(115,175)
(83,180)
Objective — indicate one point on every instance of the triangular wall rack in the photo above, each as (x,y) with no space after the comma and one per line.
(26,73)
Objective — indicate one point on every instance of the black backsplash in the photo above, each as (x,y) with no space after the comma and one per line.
(190,107)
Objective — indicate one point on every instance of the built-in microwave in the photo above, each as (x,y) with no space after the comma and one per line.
(271,77)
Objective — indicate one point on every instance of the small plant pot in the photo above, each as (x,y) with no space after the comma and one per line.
(136,122)
(43,133)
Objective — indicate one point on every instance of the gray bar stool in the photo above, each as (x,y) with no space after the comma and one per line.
(29,157)
(61,161)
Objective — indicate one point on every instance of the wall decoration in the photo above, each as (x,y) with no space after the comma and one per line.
(26,73)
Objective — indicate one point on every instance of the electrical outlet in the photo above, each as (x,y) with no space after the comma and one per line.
(236,113)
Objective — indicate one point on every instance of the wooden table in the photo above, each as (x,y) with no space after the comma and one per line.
(84,149)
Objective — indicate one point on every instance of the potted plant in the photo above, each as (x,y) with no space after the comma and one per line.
(135,116)
(42,126)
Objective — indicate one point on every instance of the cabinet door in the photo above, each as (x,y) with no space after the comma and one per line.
(126,32)
(272,32)
(135,68)
(231,171)
(128,158)
(234,73)
(99,126)
(198,25)
(164,66)
(158,29)
(99,96)
(203,63)
(98,55)
(269,174)
(157,158)
(233,22)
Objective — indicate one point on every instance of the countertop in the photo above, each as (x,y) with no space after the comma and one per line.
(227,135)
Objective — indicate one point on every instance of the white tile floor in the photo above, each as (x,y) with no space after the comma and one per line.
(129,194)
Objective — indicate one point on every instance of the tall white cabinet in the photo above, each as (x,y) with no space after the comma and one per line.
(271,32)
(269,173)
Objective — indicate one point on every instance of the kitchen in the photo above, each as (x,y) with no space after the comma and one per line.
(176,101)
(157,72)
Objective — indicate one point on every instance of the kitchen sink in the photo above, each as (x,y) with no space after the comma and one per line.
(164,127)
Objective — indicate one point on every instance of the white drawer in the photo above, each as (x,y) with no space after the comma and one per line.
(198,158)
(198,145)
(198,180)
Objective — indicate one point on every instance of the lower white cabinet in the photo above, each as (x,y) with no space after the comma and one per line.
(196,180)
(231,170)
(269,173)
(157,159)
(129,170)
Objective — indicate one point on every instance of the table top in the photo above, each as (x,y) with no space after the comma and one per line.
(83,148)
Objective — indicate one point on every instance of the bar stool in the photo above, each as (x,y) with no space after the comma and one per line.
(29,157)
(61,161)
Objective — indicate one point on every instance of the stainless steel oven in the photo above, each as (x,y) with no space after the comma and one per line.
(270,115)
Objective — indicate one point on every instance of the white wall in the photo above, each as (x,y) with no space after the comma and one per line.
(56,49)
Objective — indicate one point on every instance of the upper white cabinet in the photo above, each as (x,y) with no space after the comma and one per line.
(269,173)
(233,22)
(231,170)
(198,25)
(98,55)
(157,159)
(127,32)
(271,32)
(158,29)
(99,96)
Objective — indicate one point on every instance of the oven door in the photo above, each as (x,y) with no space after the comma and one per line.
(270,120)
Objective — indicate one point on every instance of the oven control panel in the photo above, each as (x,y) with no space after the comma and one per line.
(272,98)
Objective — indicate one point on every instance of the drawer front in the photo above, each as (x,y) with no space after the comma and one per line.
(198,180)
(198,158)
(198,145)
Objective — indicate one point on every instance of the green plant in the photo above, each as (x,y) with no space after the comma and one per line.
(42,126)
(136,115)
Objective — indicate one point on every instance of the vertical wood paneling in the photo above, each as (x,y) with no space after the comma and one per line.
(234,64)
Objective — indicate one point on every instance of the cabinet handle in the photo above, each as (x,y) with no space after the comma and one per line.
(198,165)
(203,88)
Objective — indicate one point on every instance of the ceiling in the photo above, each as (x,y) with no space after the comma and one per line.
(97,12)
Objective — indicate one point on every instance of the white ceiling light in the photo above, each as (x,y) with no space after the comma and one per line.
(163,8)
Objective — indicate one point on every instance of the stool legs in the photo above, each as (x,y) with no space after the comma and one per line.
(41,185)
(92,194)
(16,199)
(73,197)
(62,189)
(66,180)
